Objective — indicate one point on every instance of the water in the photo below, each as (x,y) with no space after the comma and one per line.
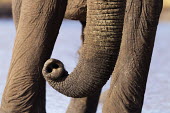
(157,96)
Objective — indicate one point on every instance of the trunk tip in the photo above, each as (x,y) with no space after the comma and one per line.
(53,69)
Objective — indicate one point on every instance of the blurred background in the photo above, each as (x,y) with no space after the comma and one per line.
(157,96)
(5,8)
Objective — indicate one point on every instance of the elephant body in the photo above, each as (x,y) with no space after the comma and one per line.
(109,25)
(76,10)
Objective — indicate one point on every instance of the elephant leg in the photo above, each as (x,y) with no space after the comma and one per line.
(86,104)
(130,75)
(16,7)
(76,10)
(103,96)
(38,27)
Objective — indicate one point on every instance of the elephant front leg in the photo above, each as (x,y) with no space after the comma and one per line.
(38,23)
(129,78)
(84,105)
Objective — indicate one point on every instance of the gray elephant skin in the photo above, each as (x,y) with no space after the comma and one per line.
(118,39)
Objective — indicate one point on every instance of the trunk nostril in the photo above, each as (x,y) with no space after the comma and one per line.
(55,66)
(50,68)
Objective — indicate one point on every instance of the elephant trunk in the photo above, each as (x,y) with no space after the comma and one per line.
(99,52)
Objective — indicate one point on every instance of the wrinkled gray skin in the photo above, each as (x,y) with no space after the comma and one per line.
(37,28)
